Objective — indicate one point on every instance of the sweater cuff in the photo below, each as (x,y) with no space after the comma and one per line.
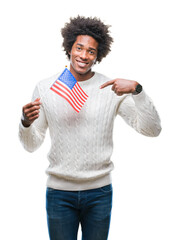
(139,98)
(24,129)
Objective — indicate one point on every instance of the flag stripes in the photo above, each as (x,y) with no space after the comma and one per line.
(76,97)
(67,99)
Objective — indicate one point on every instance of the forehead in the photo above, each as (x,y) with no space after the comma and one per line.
(87,41)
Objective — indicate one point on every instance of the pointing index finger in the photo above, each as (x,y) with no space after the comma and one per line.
(107,84)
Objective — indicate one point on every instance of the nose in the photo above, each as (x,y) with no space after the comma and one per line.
(83,55)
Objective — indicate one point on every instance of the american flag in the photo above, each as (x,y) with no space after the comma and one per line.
(67,87)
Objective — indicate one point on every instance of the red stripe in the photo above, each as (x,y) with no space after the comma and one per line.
(62,86)
(78,88)
(77,94)
(64,98)
(81,103)
(86,96)
(73,100)
(80,94)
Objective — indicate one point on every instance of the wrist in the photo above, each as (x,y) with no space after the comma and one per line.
(24,122)
(138,89)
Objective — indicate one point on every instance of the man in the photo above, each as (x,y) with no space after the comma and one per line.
(79,188)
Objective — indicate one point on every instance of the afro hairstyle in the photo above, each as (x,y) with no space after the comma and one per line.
(93,27)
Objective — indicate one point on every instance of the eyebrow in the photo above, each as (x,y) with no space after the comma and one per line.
(89,47)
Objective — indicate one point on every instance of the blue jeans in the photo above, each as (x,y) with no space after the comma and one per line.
(90,208)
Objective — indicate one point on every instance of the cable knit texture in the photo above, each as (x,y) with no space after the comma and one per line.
(81,143)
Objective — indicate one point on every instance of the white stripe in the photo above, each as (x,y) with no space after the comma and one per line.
(80,93)
(74,97)
(78,107)
(77,96)
(80,90)
(77,87)
(63,84)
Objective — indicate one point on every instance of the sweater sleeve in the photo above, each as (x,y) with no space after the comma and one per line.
(139,112)
(32,137)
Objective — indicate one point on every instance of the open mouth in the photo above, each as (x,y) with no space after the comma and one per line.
(81,64)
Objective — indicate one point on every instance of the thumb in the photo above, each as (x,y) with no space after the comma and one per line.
(37,100)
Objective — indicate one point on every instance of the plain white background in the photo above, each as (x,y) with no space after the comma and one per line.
(146,48)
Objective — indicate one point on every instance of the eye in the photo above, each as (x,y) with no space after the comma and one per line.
(78,48)
(91,52)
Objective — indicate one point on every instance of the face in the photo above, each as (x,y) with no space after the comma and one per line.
(82,56)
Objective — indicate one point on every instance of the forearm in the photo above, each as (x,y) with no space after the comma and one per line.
(140,113)
(33,125)
(31,137)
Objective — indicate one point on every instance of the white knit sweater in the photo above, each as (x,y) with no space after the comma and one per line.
(81,143)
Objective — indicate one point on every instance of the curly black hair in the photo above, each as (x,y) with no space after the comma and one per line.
(93,27)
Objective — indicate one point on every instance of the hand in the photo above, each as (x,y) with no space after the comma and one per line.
(30,112)
(121,86)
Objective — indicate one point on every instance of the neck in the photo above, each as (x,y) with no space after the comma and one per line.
(81,77)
